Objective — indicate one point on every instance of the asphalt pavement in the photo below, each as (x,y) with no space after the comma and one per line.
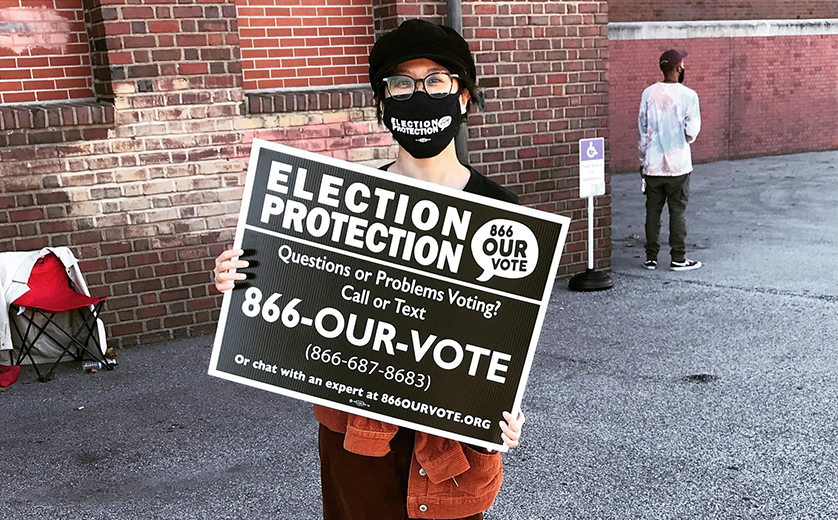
(708,394)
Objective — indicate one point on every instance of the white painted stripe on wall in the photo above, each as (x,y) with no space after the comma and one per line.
(720,29)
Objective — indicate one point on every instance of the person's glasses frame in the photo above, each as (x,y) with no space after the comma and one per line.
(390,83)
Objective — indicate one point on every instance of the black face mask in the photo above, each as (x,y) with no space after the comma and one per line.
(422,125)
(681,76)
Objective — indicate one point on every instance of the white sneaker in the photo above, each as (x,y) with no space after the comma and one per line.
(686,265)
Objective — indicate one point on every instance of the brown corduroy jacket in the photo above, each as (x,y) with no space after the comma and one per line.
(448,479)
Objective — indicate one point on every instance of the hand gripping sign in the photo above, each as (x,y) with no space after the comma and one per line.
(384,296)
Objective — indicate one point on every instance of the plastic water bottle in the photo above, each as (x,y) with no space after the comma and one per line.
(91,366)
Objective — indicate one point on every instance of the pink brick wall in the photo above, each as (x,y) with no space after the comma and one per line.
(759,96)
(44,54)
(788,100)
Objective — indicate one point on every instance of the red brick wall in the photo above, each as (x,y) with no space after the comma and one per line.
(690,10)
(350,135)
(146,190)
(788,101)
(293,44)
(44,53)
(390,13)
(542,67)
(759,96)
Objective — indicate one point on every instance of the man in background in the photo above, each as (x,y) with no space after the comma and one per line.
(669,121)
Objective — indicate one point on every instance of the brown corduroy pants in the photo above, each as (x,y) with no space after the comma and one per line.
(356,487)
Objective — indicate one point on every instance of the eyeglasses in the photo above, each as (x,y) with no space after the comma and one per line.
(437,85)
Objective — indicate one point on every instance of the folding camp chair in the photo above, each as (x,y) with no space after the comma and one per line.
(50,292)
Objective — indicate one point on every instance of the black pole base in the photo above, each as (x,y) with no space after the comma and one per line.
(590,280)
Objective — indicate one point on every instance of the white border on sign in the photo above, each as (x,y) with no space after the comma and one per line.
(256,147)
(591,185)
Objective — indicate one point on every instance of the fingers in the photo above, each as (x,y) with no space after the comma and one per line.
(228,276)
(509,442)
(227,286)
(224,279)
(511,428)
(227,255)
(224,268)
(514,423)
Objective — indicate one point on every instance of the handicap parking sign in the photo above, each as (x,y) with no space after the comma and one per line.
(591,167)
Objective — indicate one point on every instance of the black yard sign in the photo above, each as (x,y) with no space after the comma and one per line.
(384,296)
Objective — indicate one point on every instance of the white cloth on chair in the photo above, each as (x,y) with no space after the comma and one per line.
(15,268)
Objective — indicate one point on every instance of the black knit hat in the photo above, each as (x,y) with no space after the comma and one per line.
(421,39)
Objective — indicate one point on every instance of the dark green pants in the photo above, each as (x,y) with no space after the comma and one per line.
(674,192)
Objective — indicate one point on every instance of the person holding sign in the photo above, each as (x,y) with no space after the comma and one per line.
(424,77)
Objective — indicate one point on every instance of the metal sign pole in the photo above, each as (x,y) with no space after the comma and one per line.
(455,21)
(591,183)
(591,233)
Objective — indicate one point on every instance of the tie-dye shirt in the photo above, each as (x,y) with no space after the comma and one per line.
(669,121)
